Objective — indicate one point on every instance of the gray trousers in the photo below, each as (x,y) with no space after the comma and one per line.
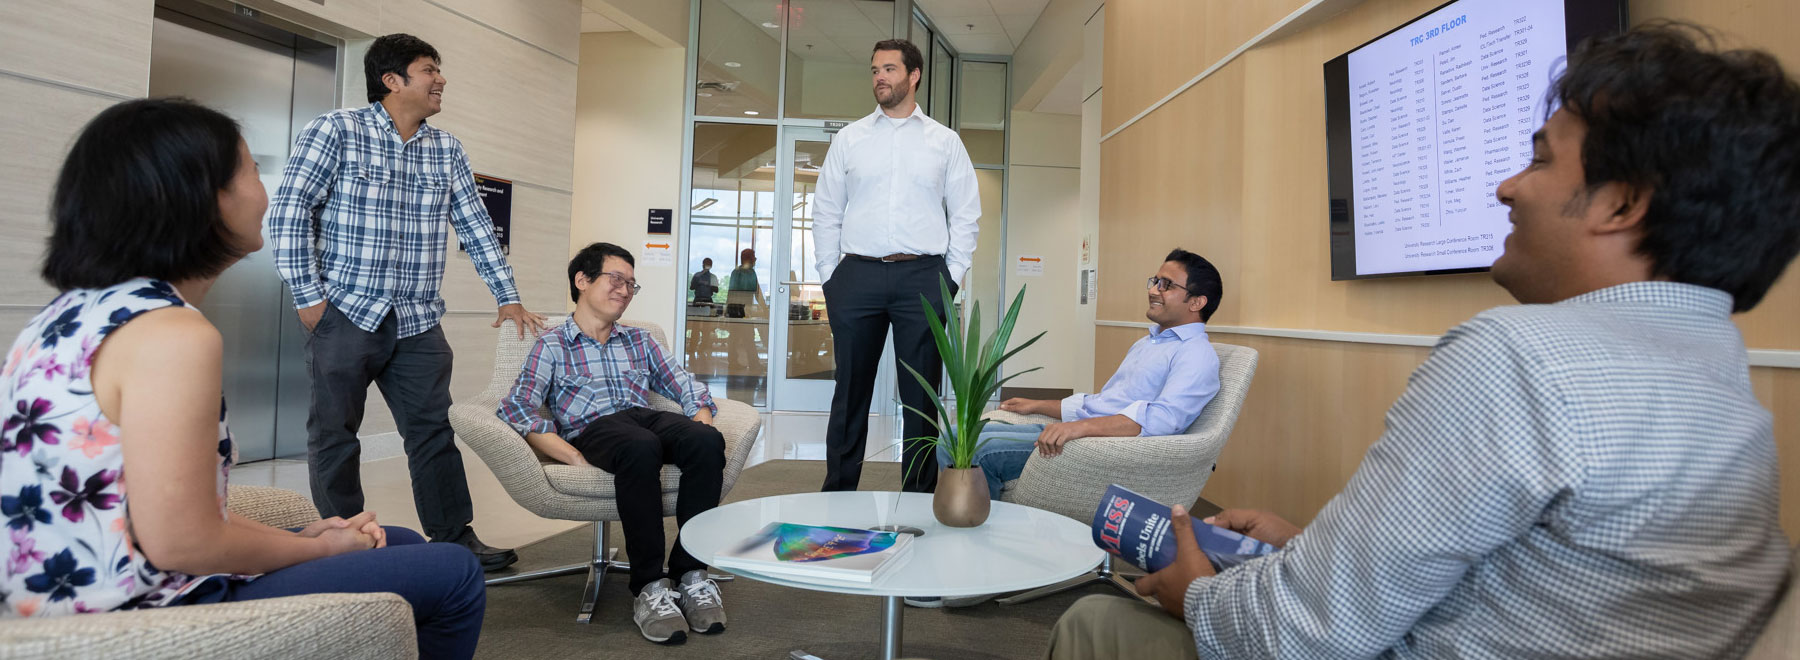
(414,376)
(1102,627)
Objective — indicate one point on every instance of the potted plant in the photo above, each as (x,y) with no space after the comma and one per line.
(972,365)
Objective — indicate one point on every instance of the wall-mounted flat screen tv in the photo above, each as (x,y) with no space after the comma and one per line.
(1422,123)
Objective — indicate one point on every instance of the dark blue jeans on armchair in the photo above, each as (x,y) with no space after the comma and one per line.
(442,582)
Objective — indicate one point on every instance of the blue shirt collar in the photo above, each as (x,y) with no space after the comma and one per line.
(1183,332)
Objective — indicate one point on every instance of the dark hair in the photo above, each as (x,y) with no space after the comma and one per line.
(1714,136)
(909,55)
(1202,280)
(393,54)
(138,196)
(703,262)
(746,255)
(591,261)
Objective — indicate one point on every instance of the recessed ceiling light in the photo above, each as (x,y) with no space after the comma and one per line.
(770,25)
(752,113)
(733,64)
(704,95)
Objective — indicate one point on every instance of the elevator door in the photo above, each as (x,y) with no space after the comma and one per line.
(272,82)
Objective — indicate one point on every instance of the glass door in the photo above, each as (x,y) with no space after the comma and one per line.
(802,364)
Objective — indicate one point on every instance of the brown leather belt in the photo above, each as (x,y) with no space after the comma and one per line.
(893,257)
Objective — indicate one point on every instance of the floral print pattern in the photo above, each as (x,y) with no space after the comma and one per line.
(66,547)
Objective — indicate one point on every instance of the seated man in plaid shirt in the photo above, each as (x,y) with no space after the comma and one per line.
(595,376)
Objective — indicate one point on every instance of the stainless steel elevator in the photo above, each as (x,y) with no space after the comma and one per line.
(272,81)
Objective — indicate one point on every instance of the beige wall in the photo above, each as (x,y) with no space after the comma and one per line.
(1235,168)
(1042,214)
(1051,49)
(511,68)
(1088,222)
(628,157)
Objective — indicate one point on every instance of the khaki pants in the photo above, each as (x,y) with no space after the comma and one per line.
(1105,627)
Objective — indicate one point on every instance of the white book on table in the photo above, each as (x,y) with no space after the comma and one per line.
(813,552)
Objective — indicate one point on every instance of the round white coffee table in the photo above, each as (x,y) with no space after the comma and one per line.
(1017,548)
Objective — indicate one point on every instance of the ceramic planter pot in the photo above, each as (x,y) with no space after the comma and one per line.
(961,499)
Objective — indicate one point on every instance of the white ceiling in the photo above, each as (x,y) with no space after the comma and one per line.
(987,27)
(823,29)
(843,29)
(592,21)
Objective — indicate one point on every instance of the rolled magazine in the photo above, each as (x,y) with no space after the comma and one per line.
(1136,529)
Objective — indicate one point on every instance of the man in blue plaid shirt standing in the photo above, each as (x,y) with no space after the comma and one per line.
(359,226)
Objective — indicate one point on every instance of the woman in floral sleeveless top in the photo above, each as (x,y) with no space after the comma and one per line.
(118,380)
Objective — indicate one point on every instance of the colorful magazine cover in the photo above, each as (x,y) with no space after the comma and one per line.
(815,552)
(1136,528)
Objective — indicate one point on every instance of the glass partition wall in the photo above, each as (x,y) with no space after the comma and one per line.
(772,83)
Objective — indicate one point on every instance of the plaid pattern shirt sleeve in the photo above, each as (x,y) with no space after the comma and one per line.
(532,389)
(476,230)
(292,213)
(672,381)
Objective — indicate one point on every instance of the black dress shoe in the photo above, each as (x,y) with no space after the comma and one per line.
(491,558)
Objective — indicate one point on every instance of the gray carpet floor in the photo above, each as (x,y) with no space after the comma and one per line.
(536,619)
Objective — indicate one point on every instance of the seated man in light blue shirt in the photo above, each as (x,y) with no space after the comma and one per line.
(1158,390)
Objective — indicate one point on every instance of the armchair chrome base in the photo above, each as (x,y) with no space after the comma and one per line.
(1102,575)
(603,562)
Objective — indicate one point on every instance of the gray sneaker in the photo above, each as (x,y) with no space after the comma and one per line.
(656,615)
(701,603)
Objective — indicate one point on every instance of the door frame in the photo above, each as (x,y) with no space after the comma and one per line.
(789,394)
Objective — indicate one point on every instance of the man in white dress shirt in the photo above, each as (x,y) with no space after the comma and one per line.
(895,211)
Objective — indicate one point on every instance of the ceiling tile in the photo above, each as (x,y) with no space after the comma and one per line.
(880,12)
(940,10)
(962,25)
(1004,7)
(984,44)
(1017,25)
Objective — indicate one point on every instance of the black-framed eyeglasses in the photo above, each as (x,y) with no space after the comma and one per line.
(1162,284)
(620,281)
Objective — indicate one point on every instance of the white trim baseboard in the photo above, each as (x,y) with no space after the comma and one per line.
(1759,357)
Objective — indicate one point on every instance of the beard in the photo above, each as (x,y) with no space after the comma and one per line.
(891,100)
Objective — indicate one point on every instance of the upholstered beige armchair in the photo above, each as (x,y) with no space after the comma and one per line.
(322,626)
(1171,469)
(567,492)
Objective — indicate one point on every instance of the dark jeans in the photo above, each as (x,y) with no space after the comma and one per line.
(414,376)
(441,581)
(633,444)
(863,299)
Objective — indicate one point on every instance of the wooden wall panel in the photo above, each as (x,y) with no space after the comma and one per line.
(543,23)
(100,44)
(513,106)
(1165,43)
(1150,48)
(539,259)
(40,124)
(1173,180)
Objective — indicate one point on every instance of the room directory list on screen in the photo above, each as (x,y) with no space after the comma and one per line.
(1441,112)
